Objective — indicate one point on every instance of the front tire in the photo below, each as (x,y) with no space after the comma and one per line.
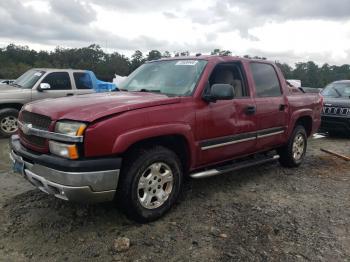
(8,122)
(292,154)
(150,183)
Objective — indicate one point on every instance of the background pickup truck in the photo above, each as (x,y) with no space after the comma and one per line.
(173,118)
(41,83)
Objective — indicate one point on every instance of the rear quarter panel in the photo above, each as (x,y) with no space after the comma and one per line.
(305,104)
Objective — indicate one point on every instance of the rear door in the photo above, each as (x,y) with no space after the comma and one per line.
(271,105)
(83,83)
(60,86)
(226,129)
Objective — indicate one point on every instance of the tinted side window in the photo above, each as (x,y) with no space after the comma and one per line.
(82,80)
(266,80)
(58,81)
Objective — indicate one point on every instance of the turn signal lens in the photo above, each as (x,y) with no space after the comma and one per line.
(69,151)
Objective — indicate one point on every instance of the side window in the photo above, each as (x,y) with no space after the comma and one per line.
(58,81)
(229,74)
(266,80)
(82,81)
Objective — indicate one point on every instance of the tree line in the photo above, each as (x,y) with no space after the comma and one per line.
(15,60)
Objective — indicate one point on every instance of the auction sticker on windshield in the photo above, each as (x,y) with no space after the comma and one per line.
(187,62)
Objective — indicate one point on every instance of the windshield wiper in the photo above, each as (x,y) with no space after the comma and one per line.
(148,90)
(17,85)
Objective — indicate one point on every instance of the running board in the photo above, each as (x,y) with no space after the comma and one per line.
(233,167)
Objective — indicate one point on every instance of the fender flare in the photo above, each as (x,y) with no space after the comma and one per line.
(125,140)
(296,115)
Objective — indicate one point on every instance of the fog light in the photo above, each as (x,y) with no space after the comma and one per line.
(64,150)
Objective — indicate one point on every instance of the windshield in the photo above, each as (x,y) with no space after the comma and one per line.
(337,90)
(173,78)
(28,79)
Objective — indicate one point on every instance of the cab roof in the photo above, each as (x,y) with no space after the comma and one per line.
(215,58)
(59,70)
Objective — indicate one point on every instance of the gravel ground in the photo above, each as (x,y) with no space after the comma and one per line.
(265,213)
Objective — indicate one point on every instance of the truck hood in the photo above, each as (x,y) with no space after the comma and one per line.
(89,108)
(9,89)
(343,102)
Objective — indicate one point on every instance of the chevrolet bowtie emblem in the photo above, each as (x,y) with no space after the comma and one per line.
(26,128)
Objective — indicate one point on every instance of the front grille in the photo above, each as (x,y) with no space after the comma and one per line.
(332,110)
(34,140)
(37,121)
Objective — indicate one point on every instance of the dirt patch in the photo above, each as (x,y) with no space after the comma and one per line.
(259,214)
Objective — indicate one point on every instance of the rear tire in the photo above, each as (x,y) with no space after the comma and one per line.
(8,122)
(150,183)
(293,153)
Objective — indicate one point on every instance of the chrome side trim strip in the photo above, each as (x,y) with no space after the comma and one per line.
(258,134)
(28,129)
(229,143)
(271,134)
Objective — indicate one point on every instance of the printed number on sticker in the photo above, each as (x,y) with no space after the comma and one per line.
(187,62)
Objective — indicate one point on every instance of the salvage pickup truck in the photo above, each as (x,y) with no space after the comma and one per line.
(194,116)
(40,83)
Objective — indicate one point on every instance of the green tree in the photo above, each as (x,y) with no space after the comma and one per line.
(15,60)
(154,55)
(286,70)
(217,51)
(166,54)
(137,60)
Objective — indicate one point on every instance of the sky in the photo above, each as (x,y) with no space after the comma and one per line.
(283,30)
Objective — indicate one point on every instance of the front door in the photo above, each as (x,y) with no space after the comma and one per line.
(60,86)
(226,129)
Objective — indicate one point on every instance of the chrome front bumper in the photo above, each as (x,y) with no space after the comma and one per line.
(88,187)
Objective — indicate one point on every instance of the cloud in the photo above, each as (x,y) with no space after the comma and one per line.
(139,5)
(170,15)
(297,9)
(243,15)
(74,10)
(252,27)
(24,22)
(67,21)
(71,23)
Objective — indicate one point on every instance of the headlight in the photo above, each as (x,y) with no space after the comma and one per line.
(64,150)
(70,128)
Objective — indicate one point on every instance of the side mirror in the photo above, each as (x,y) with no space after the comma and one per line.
(44,86)
(219,92)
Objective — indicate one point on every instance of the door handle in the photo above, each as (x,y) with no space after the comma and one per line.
(69,94)
(282,107)
(250,110)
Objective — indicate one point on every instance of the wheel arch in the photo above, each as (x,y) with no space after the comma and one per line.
(306,122)
(16,106)
(178,138)
(304,118)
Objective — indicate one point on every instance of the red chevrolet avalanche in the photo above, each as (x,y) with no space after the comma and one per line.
(171,118)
